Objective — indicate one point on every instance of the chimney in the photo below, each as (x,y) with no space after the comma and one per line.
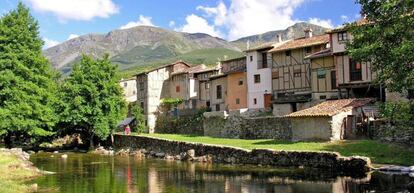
(279,37)
(308,33)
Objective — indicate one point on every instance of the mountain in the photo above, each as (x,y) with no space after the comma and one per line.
(142,47)
(295,31)
(133,47)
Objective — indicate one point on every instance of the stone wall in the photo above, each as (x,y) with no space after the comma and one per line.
(399,134)
(221,154)
(189,125)
(242,127)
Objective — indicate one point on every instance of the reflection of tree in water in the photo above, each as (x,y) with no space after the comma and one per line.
(91,173)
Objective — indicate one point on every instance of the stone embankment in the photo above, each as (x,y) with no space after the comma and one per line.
(167,149)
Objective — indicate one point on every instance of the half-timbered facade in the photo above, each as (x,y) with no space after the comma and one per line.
(204,86)
(355,79)
(291,72)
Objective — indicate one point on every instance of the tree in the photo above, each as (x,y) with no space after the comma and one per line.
(94,99)
(138,114)
(386,39)
(27,82)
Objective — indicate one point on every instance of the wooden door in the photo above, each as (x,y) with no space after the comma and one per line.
(267,100)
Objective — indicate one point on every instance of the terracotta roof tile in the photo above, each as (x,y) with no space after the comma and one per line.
(331,108)
(302,42)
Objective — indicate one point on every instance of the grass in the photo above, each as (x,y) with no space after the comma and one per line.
(380,153)
(13,174)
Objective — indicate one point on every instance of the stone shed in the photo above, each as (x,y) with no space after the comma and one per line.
(328,121)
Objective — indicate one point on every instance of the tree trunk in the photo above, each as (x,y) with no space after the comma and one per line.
(8,140)
(91,145)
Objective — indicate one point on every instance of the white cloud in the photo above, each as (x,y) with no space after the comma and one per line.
(249,17)
(142,20)
(321,22)
(171,23)
(76,9)
(49,43)
(197,24)
(71,36)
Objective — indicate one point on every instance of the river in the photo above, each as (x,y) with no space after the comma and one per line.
(87,173)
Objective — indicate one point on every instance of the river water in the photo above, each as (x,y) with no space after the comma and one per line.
(87,173)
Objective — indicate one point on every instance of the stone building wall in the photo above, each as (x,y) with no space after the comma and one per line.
(242,127)
(223,154)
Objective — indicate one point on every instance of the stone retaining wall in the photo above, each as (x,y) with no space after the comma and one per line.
(189,125)
(243,127)
(222,154)
(398,133)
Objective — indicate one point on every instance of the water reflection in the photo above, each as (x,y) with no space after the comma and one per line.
(91,173)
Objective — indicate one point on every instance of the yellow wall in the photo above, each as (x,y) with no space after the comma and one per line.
(236,91)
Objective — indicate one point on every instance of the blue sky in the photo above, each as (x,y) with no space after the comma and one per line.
(228,19)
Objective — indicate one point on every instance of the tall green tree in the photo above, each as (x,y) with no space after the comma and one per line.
(94,98)
(387,41)
(138,113)
(27,82)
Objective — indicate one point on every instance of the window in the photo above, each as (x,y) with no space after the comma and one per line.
(237,101)
(251,58)
(134,92)
(177,89)
(142,104)
(297,73)
(141,86)
(333,80)
(322,97)
(217,107)
(275,74)
(288,53)
(342,36)
(355,72)
(255,101)
(321,73)
(218,92)
(125,84)
(257,78)
(410,93)
(207,85)
(264,60)
(240,81)
(308,50)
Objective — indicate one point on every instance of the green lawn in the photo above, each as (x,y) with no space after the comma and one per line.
(379,153)
(12,175)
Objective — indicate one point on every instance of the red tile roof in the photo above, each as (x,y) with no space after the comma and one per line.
(331,108)
(301,43)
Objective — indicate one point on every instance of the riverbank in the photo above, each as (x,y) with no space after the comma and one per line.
(15,169)
(166,148)
(379,153)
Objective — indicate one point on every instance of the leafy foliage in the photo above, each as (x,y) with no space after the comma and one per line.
(138,114)
(168,103)
(387,41)
(27,83)
(94,98)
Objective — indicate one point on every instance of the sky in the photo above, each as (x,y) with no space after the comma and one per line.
(61,20)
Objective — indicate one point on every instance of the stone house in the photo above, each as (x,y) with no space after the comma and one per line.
(203,80)
(184,85)
(129,87)
(218,92)
(235,69)
(328,121)
(152,86)
(291,72)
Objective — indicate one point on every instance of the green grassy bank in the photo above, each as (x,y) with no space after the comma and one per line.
(14,173)
(380,153)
